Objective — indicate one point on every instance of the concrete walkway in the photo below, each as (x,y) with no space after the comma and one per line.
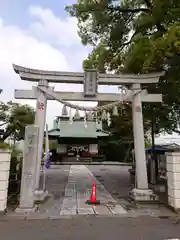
(78,190)
(70,186)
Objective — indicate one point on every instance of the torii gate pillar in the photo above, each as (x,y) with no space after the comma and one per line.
(40,118)
(139,145)
(141,192)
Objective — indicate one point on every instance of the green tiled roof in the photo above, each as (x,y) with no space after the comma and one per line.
(77,130)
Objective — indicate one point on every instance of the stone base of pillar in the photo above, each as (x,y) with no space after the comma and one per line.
(40,195)
(143,195)
(174,203)
(21,210)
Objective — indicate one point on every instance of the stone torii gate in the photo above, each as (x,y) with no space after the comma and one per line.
(91,79)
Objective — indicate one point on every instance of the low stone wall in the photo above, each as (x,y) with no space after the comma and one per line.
(5,158)
(173,179)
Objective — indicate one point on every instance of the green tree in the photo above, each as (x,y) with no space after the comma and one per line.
(136,36)
(13,119)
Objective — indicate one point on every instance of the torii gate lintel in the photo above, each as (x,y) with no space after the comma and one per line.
(34,75)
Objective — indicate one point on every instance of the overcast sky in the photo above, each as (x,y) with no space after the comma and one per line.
(39,34)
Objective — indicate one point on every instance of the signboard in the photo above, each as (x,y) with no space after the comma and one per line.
(90,83)
(29,166)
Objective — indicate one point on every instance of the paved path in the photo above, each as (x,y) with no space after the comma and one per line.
(114,178)
(116,181)
(142,222)
(70,186)
(78,190)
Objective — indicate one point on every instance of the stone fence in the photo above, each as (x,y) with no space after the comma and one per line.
(173,179)
(5,158)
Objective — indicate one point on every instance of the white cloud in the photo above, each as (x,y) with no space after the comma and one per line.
(21,48)
(24,47)
(62,32)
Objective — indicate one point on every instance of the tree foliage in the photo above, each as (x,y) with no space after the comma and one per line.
(136,36)
(13,119)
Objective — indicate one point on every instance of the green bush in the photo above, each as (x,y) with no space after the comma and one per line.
(4,145)
(117,151)
(15,152)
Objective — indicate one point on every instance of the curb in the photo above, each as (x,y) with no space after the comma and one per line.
(93,163)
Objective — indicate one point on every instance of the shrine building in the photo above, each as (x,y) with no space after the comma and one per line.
(76,138)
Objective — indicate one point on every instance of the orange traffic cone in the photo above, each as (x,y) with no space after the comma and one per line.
(93,199)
